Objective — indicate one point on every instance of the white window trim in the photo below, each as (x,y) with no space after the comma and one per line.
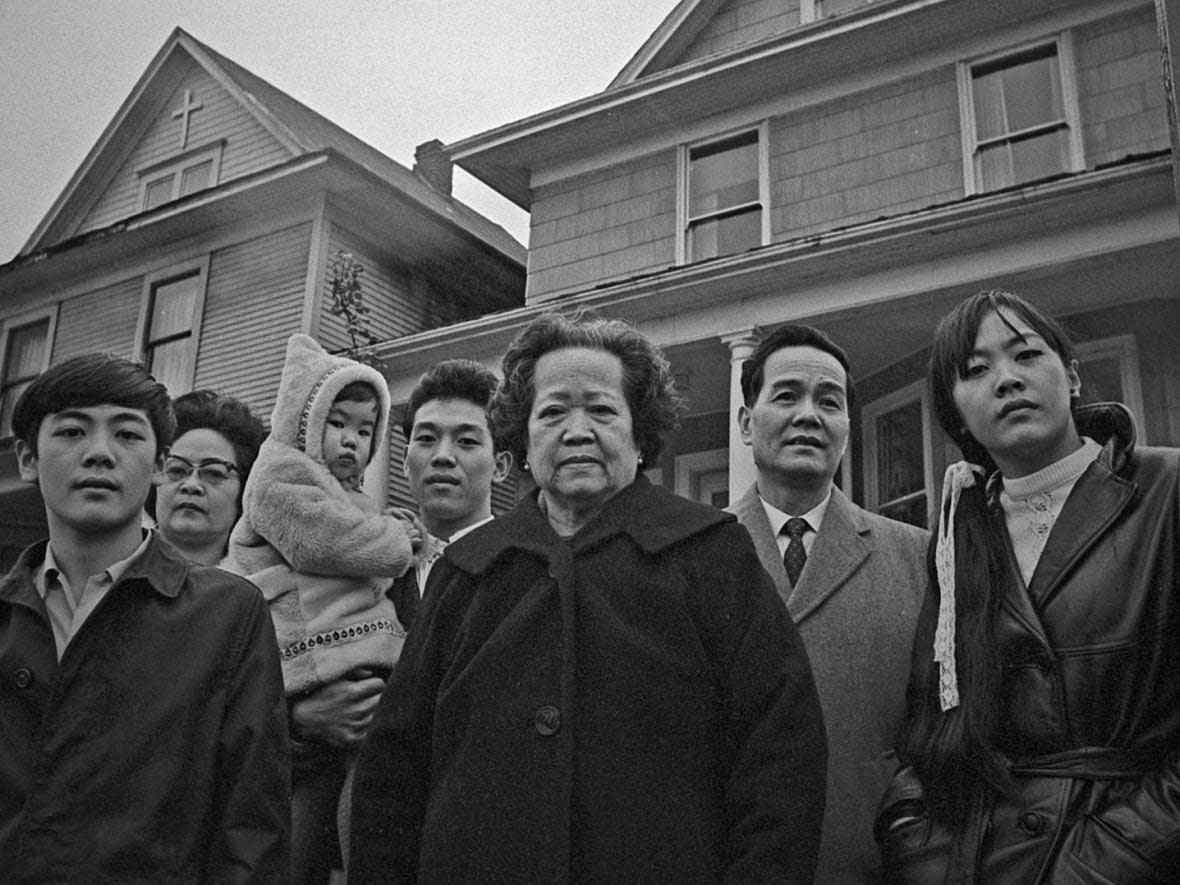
(24,319)
(808,11)
(175,166)
(915,391)
(1069,99)
(682,169)
(1124,348)
(150,281)
(691,467)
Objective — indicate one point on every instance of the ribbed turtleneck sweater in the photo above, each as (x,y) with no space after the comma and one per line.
(1032,503)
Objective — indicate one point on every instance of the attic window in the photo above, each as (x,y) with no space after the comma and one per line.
(178,177)
(723,205)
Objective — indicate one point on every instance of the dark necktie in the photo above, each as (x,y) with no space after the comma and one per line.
(795,555)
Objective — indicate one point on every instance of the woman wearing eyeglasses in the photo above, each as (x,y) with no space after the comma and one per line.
(200,497)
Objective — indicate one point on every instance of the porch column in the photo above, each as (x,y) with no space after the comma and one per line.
(741,462)
(1167,16)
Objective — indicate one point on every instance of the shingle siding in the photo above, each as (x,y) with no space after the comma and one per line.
(743,21)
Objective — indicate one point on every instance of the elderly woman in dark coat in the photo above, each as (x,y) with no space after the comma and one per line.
(603,685)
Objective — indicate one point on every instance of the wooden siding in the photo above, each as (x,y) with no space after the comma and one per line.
(99,321)
(1121,89)
(865,156)
(253,305)
(388,292)
(248,148)
(609,224)
(862,157)
(743,21)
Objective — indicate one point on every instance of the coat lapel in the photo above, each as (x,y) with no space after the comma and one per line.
(840,547)
(1095,502)
(752,515)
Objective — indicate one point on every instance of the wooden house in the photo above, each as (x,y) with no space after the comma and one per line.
(199,234)
(859,165)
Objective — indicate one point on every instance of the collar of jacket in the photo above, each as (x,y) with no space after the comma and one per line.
(651,516)
(1108,424)
(161,565)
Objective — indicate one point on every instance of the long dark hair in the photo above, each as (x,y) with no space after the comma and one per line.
(954,751)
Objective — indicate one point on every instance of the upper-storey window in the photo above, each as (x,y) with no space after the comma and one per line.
(163,182)
(170,323)
(26,355)
(1020,117)
(723,205)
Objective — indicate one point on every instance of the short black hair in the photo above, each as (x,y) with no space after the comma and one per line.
(357,392)
(795,335)
(451,379)
(94,379)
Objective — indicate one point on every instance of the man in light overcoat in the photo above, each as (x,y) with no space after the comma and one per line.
(852,580)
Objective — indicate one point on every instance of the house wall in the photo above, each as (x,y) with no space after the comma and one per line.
(253,304)
(879,153)
(743,21)
(1121,90)
(388,293)
(613,222)
(248,147)
(100,321)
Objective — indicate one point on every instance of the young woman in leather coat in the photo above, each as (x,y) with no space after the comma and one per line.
(1043,742)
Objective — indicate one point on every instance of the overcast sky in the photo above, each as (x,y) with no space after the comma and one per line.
(395,73)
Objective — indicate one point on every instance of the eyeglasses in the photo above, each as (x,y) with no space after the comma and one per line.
(213,471)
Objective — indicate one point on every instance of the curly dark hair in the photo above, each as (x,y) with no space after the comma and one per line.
(226,415)
(648,385)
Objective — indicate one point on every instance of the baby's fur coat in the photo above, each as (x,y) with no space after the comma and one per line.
(322,555)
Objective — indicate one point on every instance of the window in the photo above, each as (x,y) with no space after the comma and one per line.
(723,203)
(25,356)
(1020,117)
(704,477)
(179,177)
(898,472)
(1110,372)
(170,324)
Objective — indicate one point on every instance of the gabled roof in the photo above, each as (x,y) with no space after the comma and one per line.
(669,40)
(294,125)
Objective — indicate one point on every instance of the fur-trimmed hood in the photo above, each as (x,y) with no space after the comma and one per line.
(312,379)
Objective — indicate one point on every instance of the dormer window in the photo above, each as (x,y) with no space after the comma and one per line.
(178,177)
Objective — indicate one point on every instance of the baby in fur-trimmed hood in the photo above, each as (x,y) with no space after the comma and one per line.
(318,548)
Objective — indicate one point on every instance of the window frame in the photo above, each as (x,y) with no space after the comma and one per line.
(198,267)
(175,168)
(915,391)
(684,221)
(1126,351)
(20,321)
(1067,70)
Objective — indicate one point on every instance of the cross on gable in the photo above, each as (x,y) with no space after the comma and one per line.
(184,112)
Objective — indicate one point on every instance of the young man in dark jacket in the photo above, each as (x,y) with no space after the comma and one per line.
(142,721)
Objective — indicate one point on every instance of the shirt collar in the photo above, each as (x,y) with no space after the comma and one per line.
(471,528)
(49,569)
(814,516)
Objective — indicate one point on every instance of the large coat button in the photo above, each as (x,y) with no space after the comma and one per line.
(547,721)
(1031,823)
(22,678)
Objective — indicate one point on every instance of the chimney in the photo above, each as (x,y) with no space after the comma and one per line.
(433,165)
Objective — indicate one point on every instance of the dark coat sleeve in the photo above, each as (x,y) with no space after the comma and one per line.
(392,773)
(773,726)
(253,773)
